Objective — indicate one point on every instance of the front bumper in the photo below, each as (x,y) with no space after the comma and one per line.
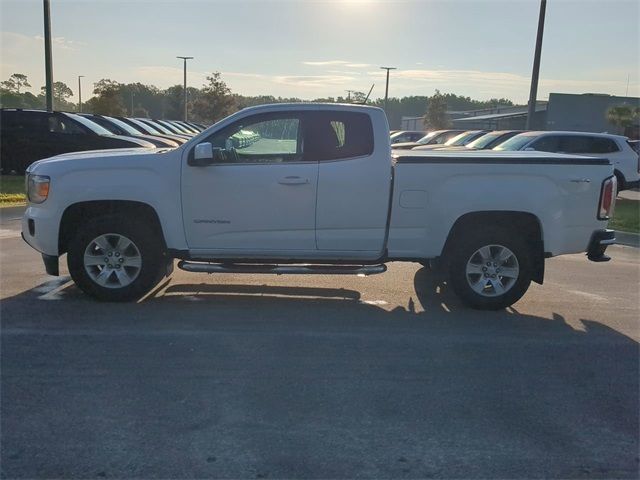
(600,240)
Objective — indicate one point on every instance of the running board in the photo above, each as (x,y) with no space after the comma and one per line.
(200,267)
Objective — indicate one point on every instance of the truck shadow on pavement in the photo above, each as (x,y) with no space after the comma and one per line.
(257,381)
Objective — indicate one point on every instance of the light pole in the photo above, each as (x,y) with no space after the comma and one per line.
(533,94)
(80,94)
(48,63)
(185,85)
(386,90)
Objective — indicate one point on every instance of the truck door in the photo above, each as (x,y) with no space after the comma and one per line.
(354,181)
(259,195)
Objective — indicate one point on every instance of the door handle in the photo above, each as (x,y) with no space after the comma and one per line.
(293,180)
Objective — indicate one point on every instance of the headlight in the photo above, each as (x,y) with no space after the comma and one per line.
(37,188)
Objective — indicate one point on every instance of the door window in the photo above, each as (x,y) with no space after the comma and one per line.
(337,136)
(262,139)
(66,126)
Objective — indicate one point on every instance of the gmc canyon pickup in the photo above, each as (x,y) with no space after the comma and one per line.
(314,188)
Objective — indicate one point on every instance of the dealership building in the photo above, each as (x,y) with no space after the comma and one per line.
(563,111)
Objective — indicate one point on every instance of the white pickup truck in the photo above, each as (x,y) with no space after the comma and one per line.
(314,188)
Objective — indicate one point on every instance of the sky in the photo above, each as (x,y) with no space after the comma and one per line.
(311,49)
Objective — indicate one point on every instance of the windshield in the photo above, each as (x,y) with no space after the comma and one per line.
(124,126)
(93,126)
(157,126)
(143,126)
(461,139)
(484,141)
(427,138)
(515,143)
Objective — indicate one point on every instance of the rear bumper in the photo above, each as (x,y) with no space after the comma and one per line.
(628,185)
(600,240)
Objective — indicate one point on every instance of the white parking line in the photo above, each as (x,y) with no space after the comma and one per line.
(4,233)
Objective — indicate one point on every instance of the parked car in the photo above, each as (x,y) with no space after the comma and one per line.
(614,147)
(437,137)
(145,128)
(119,127)
(487,141)
(158,126)
(172,128)
(404,136)
(350,207)
(185,125)
(459,140)
(30,135)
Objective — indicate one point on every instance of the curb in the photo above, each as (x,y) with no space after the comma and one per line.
(628,239)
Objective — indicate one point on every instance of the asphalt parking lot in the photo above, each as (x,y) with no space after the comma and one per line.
(320,377)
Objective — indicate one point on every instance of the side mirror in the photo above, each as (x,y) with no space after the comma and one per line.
(202,155)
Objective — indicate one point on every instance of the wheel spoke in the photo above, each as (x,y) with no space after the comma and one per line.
(123,244)
(123,277)
(504,255)
(103,277)
(93,260)
(103,243)
(509,272)
(498,288)
(132,261)
(479,285)
(474,268)
(485,253)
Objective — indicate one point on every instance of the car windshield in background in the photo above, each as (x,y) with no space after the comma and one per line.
(428,137)
(460,139)
(145,127)
(515,143)
(93,126)
(484,141)
(124,126)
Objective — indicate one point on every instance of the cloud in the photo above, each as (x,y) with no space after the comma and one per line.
(63,43)
(313,81)
(342,63)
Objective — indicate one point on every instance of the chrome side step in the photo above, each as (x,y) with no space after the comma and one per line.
(201,267)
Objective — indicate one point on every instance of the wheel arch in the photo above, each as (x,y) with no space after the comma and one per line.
(521,222)
(79,213)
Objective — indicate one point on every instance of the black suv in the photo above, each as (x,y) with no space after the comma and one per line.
(30,135)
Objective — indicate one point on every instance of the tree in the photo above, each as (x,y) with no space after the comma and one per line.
(15,82)
(61,92)
(623,116)
(215,100)
(108,99)
(436,117)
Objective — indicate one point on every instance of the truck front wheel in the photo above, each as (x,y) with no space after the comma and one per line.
(491,270)
(114,260)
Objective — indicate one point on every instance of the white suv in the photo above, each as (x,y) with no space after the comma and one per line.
(616,148)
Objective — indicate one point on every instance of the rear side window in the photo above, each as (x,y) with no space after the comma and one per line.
(603,145)
(576,144)
(546,144)
(337,135)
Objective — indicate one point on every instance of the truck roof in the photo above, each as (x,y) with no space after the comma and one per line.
(306,106)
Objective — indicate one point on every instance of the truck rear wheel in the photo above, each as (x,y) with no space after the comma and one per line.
(490,270)
(114,260)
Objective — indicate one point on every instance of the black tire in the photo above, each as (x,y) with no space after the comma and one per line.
(153,264)
(462,250)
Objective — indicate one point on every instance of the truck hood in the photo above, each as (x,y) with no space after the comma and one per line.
(106,154)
